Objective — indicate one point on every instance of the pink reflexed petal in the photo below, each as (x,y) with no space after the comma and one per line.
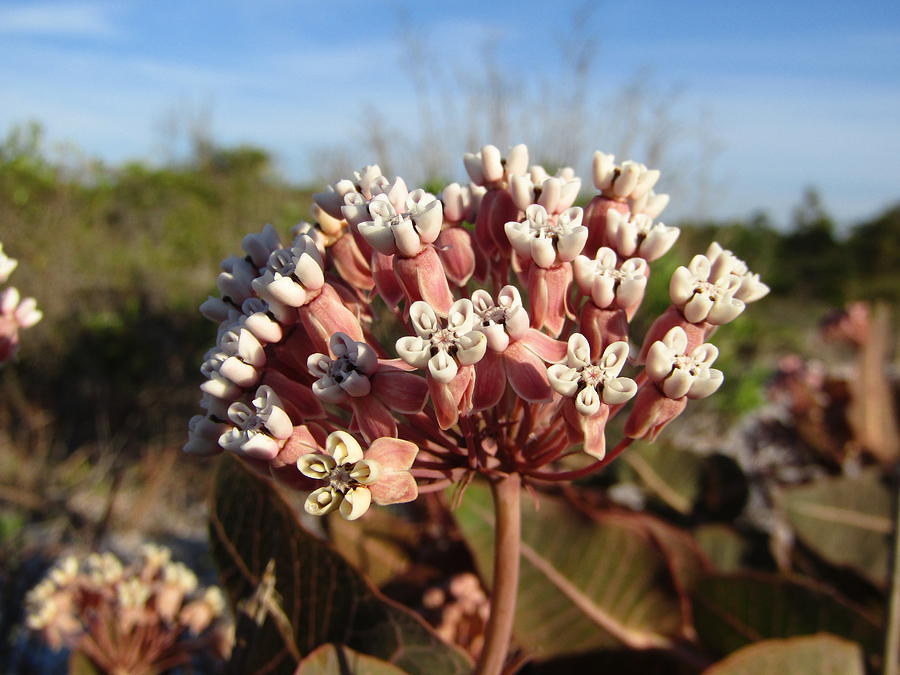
(527,373)
(423,278)
(399,390)
(445,405)
(602,327)
(299,401)
(484,242)
(327,315)
(393,454)
(350,264)
(503,210)
(550,287)
(538,303)
(394,488)
(594,433)
(373,418)
(490,381)
(595,221)
(455,248)
(385,279)
(550,350)
(652,411)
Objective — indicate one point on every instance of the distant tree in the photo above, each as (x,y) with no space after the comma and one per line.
(873,250)
(809,256)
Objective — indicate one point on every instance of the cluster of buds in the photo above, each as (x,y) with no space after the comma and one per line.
(16,312)
(482,330)
(148,617)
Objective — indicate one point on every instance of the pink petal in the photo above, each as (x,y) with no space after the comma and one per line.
(399,390)
(550,350)
(350,263)
(393,454)
(326,315)
(503,210)
(594,432)
(527,373)
(595,221)
(602,327)
(298,400)
(423,278)
(490,381)
(547,289)
(652,411)
(385,279)
(455,248)
(452,398)
(484,242)
(292,354)
(394,488)
(373,418)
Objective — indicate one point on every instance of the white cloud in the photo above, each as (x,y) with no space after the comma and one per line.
(92,20)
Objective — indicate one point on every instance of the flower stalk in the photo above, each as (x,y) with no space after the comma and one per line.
(506,492)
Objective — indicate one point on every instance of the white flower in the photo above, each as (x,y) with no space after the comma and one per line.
(7,265)
(260,245)
(234,282)
(637,235)
(700,299)
(555,194)
(291,274)
(589,384)
(245,355)
(347,374)
(258,429)
(260,321)
(203,436)
(217,385)
(548,241)
(501,321)
(631,180)
(606,282)
(488,168)
(442,350)
(407,232)
(649,204)
(355,479)
(461,202)
(347,473)
(678,374)
(724,262)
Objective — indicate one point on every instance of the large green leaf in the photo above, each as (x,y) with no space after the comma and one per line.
(376,544)
(584,584)
(673,476)
(731,611)
(724,547)
(821,654)
(847,521)
(341,660)
(299,593)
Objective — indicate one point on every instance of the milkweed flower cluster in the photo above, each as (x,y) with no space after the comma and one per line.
(141,618)
(403,340)
(16,312)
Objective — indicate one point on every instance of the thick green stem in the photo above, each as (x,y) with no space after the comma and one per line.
(892,634)
(506,492)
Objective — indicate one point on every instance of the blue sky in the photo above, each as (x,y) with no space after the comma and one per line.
(788,94)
